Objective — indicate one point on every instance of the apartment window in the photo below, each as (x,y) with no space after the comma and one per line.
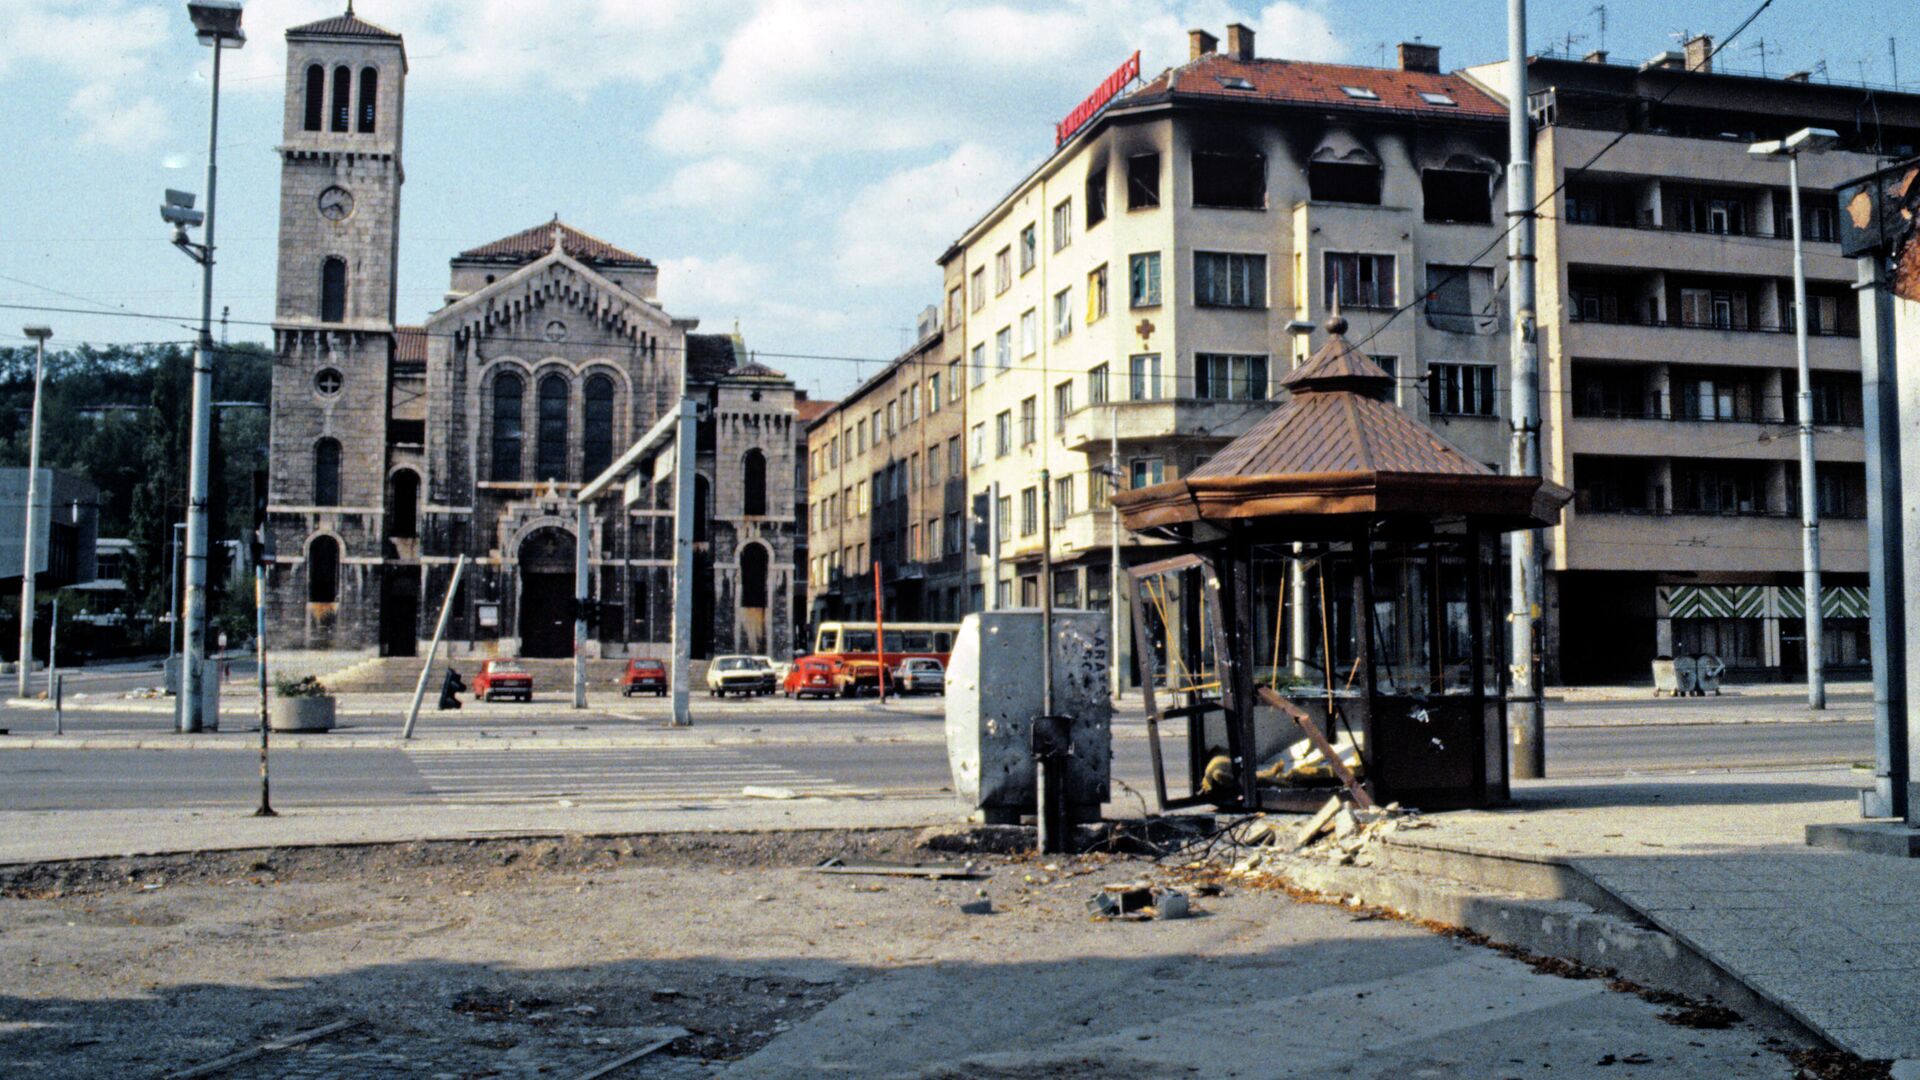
(1146,472)
(1449,299)
(953,380)
(1715,399)
(1029,511)
(1143,181)
(1029,247)
(1225,377)
(1030,591)
(1143,377)
(1344,181)
(1096,197)
(1063,313)
(1003,348)
(1063,225)
(893,418)
(1232,181)
(979,365)
(1029,420)
(1461,389)
(1003,517)
(860,437)
(1228,279)
(913,472)
(1097,385)
(978,284)
(1143,279)
(1003,433)
(913,404)
(1062,405)
(1097,294)
(1818,222)
(876,428)
(1719,489)
(954,314)
(933,465)
(1002,270)
(1359,281)
(1062,500)
(1719,309)
(1029,332)
(1099,591)
(1099,488)
(1066,588)
(954,535)
(1457,195)
(861,505)
(933,393)
(833,452)
(979,445)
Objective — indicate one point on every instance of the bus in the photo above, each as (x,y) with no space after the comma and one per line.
(851,646)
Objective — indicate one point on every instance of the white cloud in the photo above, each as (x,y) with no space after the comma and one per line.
(108,119)
(726,184)
(893,229)
(704,287)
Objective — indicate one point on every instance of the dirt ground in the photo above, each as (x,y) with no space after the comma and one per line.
(554,958)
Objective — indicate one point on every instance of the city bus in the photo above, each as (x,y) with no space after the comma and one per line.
(850,647)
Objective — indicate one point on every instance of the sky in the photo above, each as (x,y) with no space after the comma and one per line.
(792,165)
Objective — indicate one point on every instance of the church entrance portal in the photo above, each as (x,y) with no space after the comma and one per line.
(546,594)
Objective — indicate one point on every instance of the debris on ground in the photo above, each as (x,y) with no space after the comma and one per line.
(977,907)
(941,871)
(753,791)
(1302,764)
(1339,831)
(1138,901)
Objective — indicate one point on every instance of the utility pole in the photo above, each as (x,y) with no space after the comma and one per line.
(30,551)
(879,634)
(581,598)
(1524,701)
(1886,573)
(991,596)
(1114,594)
(1809,490)
(685,440)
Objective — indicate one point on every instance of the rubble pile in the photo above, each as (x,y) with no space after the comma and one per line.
(1340,832)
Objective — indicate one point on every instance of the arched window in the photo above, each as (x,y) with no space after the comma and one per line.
(316,101)
(403,511)
(702,498)
(333,289)
(551,452)
(323,570)
(342,95)
(326,473)
(507,391)
(369,98)
(597,435)
(753,482)
(753,576)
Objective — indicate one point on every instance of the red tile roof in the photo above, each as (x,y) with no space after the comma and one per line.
(1303,82)
(410,344)
(348,25)
(530,244)
(807,410)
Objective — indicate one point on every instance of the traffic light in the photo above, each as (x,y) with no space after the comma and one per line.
(979,533)
(259,545)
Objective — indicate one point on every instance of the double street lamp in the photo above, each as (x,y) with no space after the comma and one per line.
(1805,141)
(30,550)
(216,23)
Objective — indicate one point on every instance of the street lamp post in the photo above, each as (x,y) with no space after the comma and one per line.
(217,24)
(1805,141)
(30,551)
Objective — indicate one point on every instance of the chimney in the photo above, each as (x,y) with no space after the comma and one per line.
(1415,56)
(1700,53)
(1201,44)
(1239,41)
(1597,56)
(1665,61)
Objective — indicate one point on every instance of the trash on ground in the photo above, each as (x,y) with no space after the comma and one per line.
(1302,764)
(1139,901)
(977,907)
(946,871)
(752,791)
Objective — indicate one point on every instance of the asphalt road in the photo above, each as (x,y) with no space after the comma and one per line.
(126,779)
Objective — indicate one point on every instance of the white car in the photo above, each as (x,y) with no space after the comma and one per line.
(741,675)
(920,675)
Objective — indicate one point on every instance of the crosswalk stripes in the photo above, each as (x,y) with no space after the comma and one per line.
(690,773)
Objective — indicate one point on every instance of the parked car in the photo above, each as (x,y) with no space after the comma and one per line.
(920,675)
(503,679)
(780,668)
(739,675)
(858,678)
(644,676)
(811,676)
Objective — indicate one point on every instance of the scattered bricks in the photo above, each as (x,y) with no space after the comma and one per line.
(1318,823)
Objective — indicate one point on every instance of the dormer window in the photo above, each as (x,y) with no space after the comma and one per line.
(1432,98)
(1233,82)
(1360,93)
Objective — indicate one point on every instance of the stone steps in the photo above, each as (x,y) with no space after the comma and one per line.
(397,674)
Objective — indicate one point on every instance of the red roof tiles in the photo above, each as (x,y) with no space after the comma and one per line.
(530,244)
(1308,83)
(410,344)
(348,25)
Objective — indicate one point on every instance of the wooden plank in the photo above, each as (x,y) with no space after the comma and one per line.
(1353,785)
(219,1065)
(937,871)
(629,1058)
(1164,566)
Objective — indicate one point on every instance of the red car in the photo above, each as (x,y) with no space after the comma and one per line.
(644,676)
(503,678)
(812,676)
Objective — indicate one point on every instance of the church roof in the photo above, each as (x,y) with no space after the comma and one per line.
(530,244)
(754,369)
(348,25)
(410,344)
(1336,447)
(709,357)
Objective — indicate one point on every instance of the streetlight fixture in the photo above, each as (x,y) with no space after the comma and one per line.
(1805,141)
(216,23)
(30,551)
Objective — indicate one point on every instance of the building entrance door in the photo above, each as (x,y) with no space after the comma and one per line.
(400,612)
(546,594)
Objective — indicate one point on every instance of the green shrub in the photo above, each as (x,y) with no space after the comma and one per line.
(307,686)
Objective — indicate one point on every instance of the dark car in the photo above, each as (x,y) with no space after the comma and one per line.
(644,676)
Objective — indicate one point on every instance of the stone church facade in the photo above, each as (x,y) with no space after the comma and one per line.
(398,449)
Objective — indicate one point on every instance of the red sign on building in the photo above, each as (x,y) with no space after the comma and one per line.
(1097,100)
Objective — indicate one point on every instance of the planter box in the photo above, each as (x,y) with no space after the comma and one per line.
(301,714)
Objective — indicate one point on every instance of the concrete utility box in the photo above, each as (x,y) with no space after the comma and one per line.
(993,694)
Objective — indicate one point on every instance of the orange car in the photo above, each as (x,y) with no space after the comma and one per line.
(810,675)
(644,676)
(503,678)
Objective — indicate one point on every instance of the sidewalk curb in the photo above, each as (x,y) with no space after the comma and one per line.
(249,742)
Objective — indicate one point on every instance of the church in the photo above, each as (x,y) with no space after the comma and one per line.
(398,449)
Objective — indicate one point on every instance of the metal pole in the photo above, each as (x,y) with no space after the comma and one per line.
(581,571)
(433,650)
(173,624)
(879,632)
(1886,632)
(991,597)
(1046,594)
(1529,734)
(1301,625)
(1809,494)
(685,440)
(191,718)
(30,558)
(1114,623)
(260,677)
(53,642)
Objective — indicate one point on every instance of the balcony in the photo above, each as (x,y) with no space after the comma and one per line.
(1654,342)
(1701,542)
(1091,426)
(1642,246)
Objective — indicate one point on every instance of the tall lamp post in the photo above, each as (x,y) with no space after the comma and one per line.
(1805,141)
(30,550)
(216,23)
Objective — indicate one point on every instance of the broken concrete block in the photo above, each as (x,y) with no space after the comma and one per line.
(977,907)
(1344,824)
(1318,823)
(1171,904)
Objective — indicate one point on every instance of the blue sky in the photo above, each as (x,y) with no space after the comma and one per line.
(793,164)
